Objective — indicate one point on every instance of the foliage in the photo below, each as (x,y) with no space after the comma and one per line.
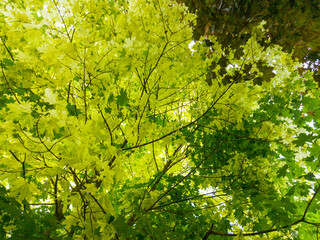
(111,129)
(294,25)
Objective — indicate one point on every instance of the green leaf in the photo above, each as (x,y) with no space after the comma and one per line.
(72,110)
(122,228)
(303,138)
(122,99)
(309,176)
(8,62)
(35,15)
(283,171)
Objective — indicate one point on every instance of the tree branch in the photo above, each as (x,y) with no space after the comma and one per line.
(5,78)
(302,219)
(10,53)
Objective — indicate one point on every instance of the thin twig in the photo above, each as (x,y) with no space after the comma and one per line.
(10,53)
(13,93)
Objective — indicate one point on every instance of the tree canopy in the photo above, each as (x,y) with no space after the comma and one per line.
(117,124)
(292,24)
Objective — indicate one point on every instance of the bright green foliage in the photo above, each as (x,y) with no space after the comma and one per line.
(111,129)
